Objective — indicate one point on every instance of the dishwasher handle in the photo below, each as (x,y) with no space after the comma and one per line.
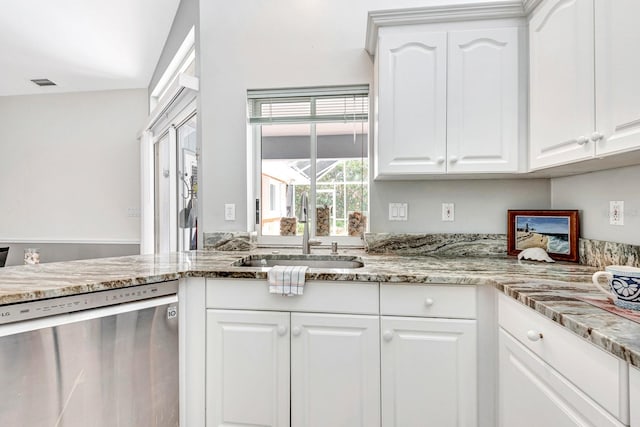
(92,313)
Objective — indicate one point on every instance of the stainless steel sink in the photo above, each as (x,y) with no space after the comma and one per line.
(311,261)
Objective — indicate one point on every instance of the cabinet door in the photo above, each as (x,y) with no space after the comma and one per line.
(532,394)
(412,90)
(335,370)
(634,395)
(561,83)
(484,108)
(247,368)
(617,71)
(429,374)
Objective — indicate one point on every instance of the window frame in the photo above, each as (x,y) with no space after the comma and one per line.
(254,178)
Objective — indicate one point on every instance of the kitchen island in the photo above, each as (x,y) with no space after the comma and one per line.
(218,293)
(550,289)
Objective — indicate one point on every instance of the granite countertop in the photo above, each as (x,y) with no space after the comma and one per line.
(550,289)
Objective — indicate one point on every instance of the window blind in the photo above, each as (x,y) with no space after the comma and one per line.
(344,104)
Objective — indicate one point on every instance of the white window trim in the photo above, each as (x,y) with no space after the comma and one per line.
(181,60)
(178,106)
(254,174)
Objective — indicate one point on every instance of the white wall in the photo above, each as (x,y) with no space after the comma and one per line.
(480,206)
(69,166)
(186,17)
(592,192)
(252,44)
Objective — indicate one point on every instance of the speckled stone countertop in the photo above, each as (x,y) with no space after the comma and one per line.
(547,288)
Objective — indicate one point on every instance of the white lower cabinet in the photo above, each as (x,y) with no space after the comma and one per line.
(335,370)
(409,358)
(550,376)
(428,372)
(533,394)
(326,365)
(634,396)
(247,368)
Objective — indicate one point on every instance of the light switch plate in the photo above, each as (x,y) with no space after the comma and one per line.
(398,211)
(616,212)
(448,212)
(229,212)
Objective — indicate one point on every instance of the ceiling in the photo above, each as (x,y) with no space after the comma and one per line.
(81,45)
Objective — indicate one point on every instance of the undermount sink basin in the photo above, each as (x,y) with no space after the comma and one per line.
(311,261)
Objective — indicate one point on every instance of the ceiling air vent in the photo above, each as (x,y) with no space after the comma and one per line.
(43,82)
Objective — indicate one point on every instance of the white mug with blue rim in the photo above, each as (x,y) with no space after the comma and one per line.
(623,285)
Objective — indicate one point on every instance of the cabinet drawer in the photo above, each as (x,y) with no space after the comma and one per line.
(319,296)
(428,301)
(598,374)
(533,394)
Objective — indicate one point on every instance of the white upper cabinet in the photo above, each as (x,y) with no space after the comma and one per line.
(483,109)
(584,88)
(561,87)
(617,75)
(450,98)
(412,102)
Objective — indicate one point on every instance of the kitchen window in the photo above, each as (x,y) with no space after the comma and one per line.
(314,141)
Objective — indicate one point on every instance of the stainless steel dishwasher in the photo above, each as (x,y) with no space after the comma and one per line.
(101,359)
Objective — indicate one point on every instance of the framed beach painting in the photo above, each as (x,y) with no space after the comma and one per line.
(555,231)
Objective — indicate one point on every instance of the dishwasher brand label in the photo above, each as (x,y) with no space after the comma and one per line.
(172,312)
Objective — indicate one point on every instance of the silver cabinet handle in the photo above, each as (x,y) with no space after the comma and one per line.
(296,331)
(534,335)
(428,302)
(282,330)
(596,136)
(453,159)
(387,336)
(582,140)
(440,160)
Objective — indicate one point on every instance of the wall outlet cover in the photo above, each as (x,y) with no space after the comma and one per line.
(229,212)
(616,212)
(448,212)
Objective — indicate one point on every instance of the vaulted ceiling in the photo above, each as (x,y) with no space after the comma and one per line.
(81,45)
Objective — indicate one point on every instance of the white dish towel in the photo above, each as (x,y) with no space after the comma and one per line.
(287,279)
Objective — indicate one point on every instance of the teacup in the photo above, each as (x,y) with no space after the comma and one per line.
(624,285)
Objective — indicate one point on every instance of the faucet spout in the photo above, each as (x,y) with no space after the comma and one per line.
(304,208)
(304,219)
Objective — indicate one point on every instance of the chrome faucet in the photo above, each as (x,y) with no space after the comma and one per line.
(304,219)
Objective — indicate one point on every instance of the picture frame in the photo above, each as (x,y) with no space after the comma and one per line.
(555,231)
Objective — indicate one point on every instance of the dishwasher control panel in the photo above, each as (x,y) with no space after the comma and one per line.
(72,303)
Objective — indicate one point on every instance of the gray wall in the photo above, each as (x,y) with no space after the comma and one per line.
(480,205)
(186,17)
(591,194)
(54,252)
(70,166)
(253,44)
(70,174)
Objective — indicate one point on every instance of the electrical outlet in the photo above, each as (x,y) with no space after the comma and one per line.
(448,212)
(229,212)
(616,213)
(133,212)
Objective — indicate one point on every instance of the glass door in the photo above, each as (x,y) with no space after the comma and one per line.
(187,185)
(164,177)
(176,186)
